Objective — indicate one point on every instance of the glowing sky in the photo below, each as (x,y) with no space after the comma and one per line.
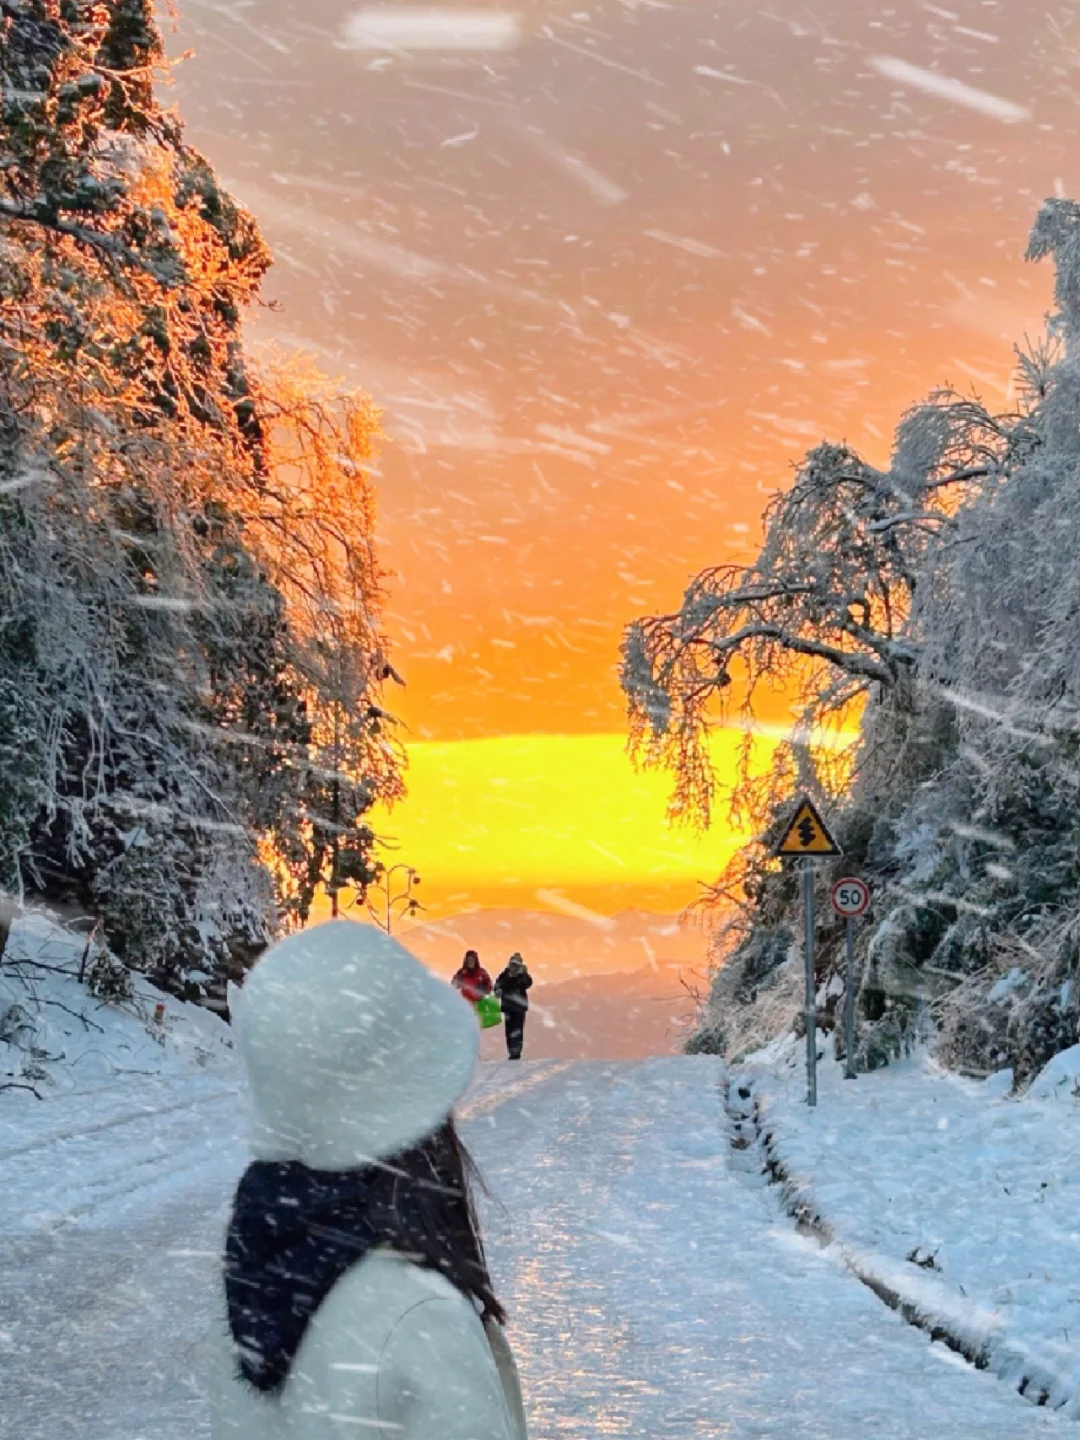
(501,821)
(608,278)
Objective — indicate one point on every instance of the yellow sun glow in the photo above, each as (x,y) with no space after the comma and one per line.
(494,821)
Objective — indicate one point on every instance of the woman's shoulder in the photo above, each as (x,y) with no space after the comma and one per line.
(384,1288)
(419,1333)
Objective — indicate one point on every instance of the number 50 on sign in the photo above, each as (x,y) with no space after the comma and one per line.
(850,898)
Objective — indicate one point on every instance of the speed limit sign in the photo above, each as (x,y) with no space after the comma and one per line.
(850,897)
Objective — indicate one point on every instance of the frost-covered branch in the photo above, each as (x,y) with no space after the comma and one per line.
(831,593)
(103,242)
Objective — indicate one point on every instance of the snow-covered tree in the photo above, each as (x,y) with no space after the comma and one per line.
(823,612)
(1000,821)
(941,597)
(179,532)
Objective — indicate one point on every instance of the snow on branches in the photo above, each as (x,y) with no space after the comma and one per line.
(826,607)
(943,594)
(187,567)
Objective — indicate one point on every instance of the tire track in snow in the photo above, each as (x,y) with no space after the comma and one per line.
(128,1158)
(114,1122)
(491,1098)
(488,1098)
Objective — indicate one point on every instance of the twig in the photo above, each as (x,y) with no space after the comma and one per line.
(19,1085)
(691,990)
(41,965)
(90,1024)
(86,951)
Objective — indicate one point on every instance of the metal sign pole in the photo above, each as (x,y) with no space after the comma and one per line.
(811,987)
(849,1005)
(806,837)
(850,898)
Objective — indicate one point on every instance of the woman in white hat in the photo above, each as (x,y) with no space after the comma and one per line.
(356,1287)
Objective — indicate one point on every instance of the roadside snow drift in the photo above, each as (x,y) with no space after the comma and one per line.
(963,1201)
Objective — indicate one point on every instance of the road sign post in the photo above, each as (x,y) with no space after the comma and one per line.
(811,983)
(807,838)
(850,899)
(849,1005)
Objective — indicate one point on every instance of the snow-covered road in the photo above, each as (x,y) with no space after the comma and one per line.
(654,1290)
(107,1250)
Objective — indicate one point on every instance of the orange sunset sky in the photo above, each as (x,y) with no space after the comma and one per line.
(608,279)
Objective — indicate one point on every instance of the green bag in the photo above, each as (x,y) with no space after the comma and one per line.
(489,1010)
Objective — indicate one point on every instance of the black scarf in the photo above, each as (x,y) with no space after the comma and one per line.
(293,1234)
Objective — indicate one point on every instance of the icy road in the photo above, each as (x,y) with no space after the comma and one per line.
(654,1289)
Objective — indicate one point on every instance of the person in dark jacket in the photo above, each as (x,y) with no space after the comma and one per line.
(512,988)
(472,979)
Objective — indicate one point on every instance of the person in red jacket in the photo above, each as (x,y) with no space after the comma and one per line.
(472,979)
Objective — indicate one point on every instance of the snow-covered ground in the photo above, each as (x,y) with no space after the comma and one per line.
(56,1038)
(100,1092)
(655,1289)
(912,1164)
(112,1181)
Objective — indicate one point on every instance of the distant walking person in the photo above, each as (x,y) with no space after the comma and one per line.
(472,979)
(512,988)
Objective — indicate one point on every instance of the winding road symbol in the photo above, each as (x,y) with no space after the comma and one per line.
(806,834)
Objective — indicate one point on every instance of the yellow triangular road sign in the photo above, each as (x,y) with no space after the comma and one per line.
(807,833)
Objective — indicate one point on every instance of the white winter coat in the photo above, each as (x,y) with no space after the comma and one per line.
(393,1349)
(353,1051)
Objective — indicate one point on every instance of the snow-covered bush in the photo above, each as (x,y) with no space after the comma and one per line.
(73,1020)
(109,979)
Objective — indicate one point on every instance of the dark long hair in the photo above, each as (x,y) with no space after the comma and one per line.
(423,1205)
(294,1232)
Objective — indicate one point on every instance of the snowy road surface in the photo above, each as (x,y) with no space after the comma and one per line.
(654,1291)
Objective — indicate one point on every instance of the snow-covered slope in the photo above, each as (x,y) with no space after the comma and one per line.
(960,1199)
(57,1038)
(87,1087)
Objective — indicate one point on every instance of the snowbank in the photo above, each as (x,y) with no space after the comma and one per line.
(90,1090)
(957,1200)
(58,1042)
